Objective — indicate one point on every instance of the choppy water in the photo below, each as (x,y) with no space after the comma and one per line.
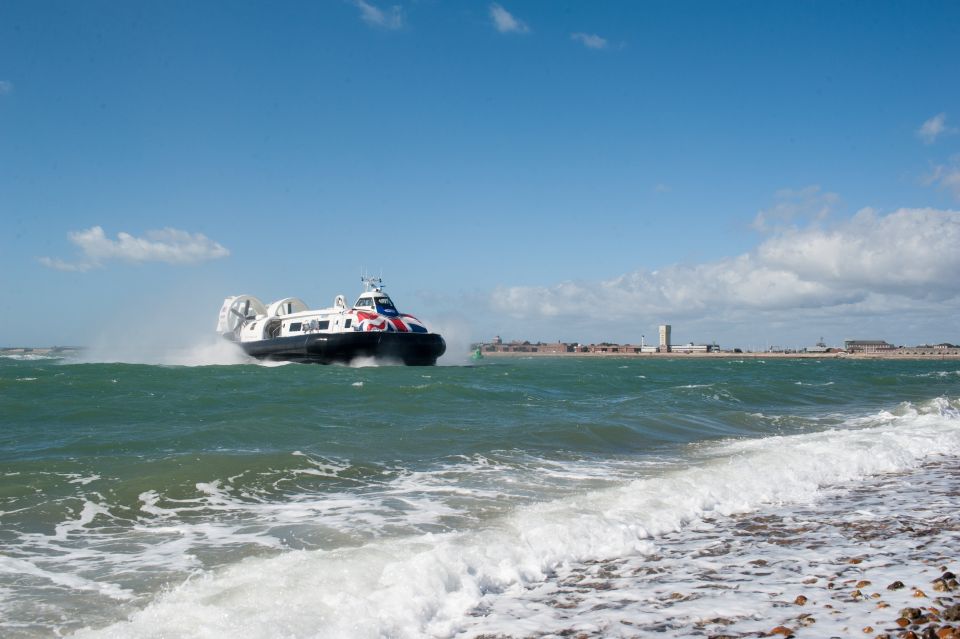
(307,501)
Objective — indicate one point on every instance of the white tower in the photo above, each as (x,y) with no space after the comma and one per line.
(664,338)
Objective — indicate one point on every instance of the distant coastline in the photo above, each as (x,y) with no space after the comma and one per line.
(852,348)
(731,355)
(897,354)
(40,350)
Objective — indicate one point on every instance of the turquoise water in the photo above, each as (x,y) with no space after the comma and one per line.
(124,486)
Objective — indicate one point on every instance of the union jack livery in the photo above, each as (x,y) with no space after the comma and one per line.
(401,323)
(288,330)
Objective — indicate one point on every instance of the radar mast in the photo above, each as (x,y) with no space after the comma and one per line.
(371,283)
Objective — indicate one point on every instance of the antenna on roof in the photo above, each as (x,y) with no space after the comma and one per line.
(371,283)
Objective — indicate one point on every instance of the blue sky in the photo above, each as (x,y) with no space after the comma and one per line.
(752,172)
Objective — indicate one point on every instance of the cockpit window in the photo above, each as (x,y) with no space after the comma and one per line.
(385,303)
(364,302)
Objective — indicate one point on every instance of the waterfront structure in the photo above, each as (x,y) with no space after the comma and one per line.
(694,348)
(821,347)
(664,338)
(867,346)
(603,348)
(927,349)
(516,346)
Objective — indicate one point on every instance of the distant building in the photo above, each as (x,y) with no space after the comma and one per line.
(867,346)
(821,347)
(615,348)
(556,347)
(664,338)
(926,349)
(516,346)
(694,348)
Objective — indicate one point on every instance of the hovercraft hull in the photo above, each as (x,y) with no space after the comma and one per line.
(412,349)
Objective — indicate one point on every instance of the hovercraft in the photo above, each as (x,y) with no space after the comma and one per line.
(287,330)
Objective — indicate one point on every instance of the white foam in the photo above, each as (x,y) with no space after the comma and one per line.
(740,576)
(374,362)
(940,374)
(428,584)
(71,580)
(87,514)
(30,357)
(267,363)
(326,467)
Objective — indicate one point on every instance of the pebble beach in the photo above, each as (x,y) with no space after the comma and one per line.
(874,559)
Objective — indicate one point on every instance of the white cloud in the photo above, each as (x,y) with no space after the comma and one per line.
(808,204)
(6,87)
(868,262)
(168,245)
(590,40)
(377,17)
(934,128)
(60,265)
(946,176)
(504,22)
(910,252)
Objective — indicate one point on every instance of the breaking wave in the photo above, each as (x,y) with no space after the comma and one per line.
(431,583)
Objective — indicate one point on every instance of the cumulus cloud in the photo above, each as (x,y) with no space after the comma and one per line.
(589,40)
(376,17)
(167,245)
(869,261)
(504,22)
(6,87)
(933,128)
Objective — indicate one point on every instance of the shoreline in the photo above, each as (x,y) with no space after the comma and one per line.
(73,350)
(857,356)
(40,350)
(872,558)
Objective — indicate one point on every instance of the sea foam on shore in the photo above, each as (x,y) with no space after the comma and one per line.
(724,545)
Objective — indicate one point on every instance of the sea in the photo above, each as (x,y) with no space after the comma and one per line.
(504,497)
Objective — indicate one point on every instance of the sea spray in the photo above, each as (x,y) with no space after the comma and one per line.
(181,351)
(456,331)
(166,328)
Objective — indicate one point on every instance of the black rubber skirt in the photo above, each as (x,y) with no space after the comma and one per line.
(411,349)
